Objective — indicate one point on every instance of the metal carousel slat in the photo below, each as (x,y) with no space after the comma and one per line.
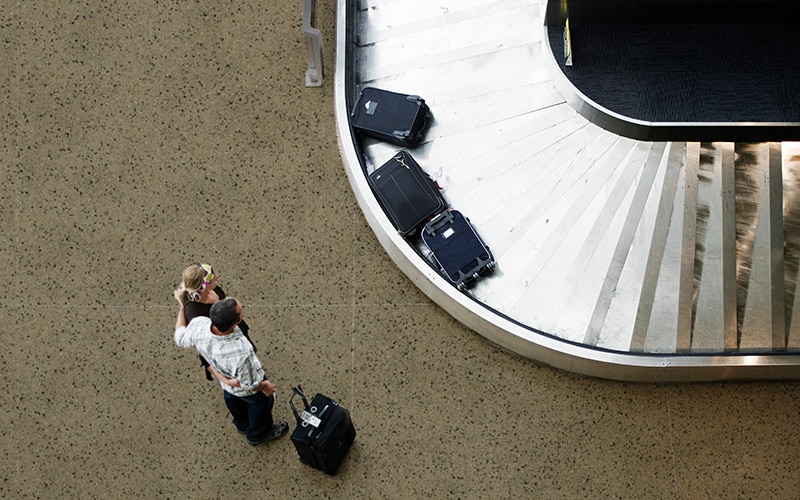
(790,160)
(621,286)
(397,20)
(714,329)
(444,43)
(760,251)
(656,328)
(688,244)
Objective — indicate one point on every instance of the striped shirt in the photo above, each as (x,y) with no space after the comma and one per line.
(231,355)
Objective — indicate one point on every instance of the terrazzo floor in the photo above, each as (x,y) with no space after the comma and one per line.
(139,137)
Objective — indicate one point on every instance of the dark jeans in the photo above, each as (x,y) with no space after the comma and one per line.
(251,414)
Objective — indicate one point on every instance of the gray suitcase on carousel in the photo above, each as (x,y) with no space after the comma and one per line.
(391,117)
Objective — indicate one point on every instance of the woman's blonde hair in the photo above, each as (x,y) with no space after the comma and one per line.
(194,282)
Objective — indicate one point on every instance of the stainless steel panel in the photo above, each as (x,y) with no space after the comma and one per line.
(790,159)
(760,246)
(688,220)
(655,329)
(715,317)
(615,311)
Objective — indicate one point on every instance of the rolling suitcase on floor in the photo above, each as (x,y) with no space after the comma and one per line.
(457,249)
(324,432)
(408,195)
(397,118)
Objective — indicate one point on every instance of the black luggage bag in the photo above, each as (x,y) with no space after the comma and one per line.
(408,195)
(392,117)
(457,249)
(324,432)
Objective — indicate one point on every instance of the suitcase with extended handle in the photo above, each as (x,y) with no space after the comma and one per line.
(324,432)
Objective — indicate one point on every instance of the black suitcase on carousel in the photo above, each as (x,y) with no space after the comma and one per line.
(392,117)
(324,432)
(408,195)
(457,249)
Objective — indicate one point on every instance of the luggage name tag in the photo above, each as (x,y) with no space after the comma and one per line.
(310,419)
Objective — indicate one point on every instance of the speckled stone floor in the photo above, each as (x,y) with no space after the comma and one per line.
(138,137)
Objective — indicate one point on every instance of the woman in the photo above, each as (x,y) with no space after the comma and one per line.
(198,292)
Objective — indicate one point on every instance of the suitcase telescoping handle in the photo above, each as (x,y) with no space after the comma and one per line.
(438,222)
(305,417)
(298,391)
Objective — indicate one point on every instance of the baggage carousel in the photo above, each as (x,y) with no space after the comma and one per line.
(620,254)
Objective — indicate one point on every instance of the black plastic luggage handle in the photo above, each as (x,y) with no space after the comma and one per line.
(438,222)
(299,392)
(399,159)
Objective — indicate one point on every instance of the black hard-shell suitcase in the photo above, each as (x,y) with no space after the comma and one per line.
(408,195)
(457,249)
(389,116)
(324,432)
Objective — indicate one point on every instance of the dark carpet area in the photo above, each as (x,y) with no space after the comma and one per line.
(687,72)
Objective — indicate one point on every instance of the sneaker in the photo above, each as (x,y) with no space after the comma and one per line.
(278,431)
